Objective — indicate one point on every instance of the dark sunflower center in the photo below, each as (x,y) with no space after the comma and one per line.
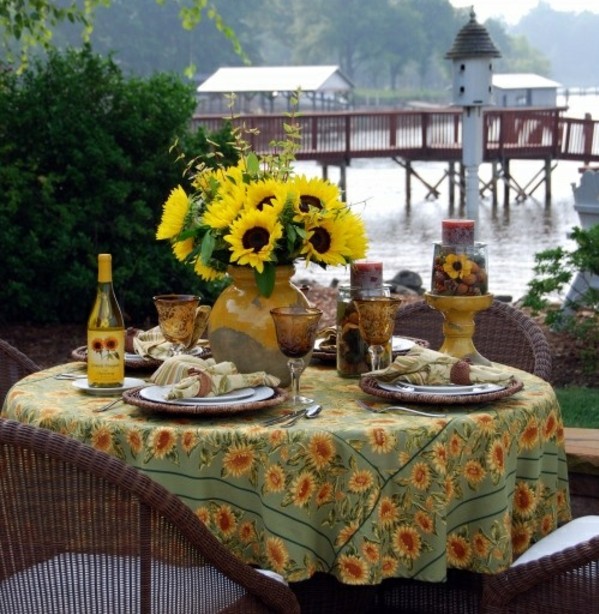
(321,241)
(457,266)
(255,238)
(308,201)
(267,200)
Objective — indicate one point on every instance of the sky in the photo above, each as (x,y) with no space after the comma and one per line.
(511,11)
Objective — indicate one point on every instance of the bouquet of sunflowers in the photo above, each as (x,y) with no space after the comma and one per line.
(259,214)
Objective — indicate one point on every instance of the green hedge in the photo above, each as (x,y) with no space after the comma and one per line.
(84,168)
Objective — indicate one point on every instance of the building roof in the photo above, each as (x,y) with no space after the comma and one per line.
(276,79)
(522,81)
(472,41)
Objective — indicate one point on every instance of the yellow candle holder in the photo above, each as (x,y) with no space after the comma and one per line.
(458,326)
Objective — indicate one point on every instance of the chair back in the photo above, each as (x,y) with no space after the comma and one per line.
(13,366)
(81,531)
(563,581)
(503,334)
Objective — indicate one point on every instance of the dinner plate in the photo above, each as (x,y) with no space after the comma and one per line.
(401,344)
(439,395)
(398,344)
(263,397)
(450,390)
(247,395)
(135,361)
(130,382)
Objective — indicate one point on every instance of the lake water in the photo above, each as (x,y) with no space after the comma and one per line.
(402,237)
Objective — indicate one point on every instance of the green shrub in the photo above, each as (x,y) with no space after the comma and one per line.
(555,269)
(85,165)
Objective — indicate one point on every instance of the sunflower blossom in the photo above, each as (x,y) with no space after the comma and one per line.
(257,212)
(457,266)
(253,238)
(173,214)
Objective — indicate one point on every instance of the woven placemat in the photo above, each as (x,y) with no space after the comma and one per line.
(370,385)
(133,361)
(133,397)
(330,355)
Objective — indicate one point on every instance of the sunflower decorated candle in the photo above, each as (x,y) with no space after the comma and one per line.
(459,263)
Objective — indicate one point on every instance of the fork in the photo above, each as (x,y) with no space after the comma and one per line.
(417,412)
(283,418)
(108,405)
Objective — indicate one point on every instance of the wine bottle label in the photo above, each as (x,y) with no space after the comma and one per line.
(106,357)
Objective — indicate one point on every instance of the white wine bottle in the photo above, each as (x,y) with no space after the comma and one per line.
(105,333)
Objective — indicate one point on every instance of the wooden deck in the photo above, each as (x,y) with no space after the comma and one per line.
(408,136)
(582,451)
(423,135)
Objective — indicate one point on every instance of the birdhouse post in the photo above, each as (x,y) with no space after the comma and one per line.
(472,56)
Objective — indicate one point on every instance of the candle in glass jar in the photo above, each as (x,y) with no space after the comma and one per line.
(457,232)
(366,275)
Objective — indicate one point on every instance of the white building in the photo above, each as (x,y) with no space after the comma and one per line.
(269,88)
(524,90)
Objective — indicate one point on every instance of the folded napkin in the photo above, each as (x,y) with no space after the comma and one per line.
(152,344)
(422,366)
(196,377)
(329,339)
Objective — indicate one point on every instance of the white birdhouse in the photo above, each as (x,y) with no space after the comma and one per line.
(472,57)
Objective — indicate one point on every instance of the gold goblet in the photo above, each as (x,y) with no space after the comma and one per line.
(296,329)
(376,322)
(176,317)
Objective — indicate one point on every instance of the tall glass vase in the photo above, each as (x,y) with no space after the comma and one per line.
(241,329)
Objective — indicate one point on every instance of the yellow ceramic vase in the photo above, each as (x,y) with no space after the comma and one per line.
(241,329)
(458,326)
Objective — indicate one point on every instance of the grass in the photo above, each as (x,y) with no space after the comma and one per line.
(580,406)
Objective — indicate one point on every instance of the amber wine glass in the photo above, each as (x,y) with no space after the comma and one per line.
(296,329)
(176,317)
(376,322)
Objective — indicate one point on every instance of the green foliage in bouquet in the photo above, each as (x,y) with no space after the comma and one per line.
(555,269)
(84,168)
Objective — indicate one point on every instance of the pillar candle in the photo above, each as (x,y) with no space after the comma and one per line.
(457,232)
(366,275)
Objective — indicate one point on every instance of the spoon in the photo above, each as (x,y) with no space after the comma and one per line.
(309,412)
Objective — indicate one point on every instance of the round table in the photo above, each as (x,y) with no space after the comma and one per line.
(355,494)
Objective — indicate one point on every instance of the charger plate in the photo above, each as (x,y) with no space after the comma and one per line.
(370,385)
(401,346)
(133,397)
(135,361)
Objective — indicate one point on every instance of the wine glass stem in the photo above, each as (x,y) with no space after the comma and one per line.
(296,367)
(376,353)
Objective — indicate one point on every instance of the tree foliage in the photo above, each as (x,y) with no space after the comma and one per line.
(378,44)
(27,24)
(85,165)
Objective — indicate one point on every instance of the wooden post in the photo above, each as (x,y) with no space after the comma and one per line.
(343,180)
(548,171)
(451,175)
(408,167)
(494,184)
(462,188)
(506,183)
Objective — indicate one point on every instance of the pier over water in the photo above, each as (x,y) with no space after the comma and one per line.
(407,136)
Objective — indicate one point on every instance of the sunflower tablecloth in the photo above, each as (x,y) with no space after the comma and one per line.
(361,496)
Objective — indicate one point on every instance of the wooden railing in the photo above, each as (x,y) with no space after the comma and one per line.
(423,135)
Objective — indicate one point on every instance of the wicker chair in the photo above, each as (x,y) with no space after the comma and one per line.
(503,334)
(557,575)
(13,366)
(81,531)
